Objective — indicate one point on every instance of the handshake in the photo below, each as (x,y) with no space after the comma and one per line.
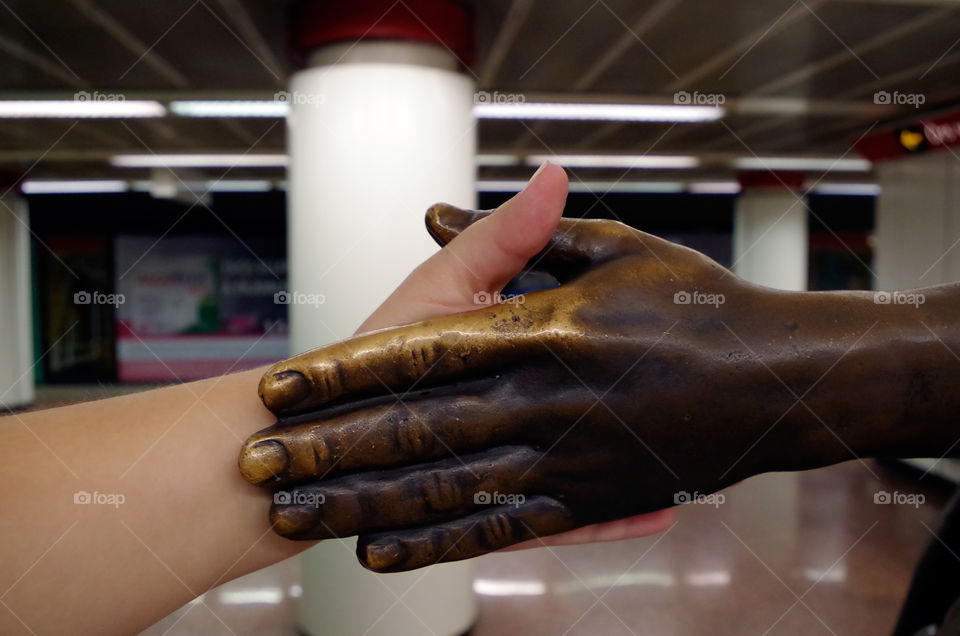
(596,400)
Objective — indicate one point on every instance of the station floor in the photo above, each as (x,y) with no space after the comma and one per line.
(790,553)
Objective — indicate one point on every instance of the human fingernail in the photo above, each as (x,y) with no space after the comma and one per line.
(539,170)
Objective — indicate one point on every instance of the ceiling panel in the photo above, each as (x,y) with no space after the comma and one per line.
(578,49)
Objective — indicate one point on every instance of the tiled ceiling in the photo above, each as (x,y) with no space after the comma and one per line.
(822,60)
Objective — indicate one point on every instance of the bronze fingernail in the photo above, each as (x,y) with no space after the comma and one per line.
(263,461)
(383,556)
(284,389)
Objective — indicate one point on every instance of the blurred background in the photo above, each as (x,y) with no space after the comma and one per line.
(194,187)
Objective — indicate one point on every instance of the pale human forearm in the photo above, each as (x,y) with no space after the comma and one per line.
(187,520)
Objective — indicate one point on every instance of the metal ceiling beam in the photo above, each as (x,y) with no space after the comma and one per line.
(854,52)
(886,82)
(131,42)
(18,51)
(905,3)
(647,20)
(251,37)
(741,47)
(512,23)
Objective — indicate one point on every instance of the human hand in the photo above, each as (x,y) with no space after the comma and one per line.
(594,401)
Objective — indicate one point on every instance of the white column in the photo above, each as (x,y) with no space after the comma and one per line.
(918,222)
(378,132)
(770,245)
(917,241)
(16,329)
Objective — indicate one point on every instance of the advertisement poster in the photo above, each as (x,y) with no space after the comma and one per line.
(197,306)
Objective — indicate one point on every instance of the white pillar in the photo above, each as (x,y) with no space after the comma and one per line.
(918,222)
(770,245)
(378,132)
(16,328)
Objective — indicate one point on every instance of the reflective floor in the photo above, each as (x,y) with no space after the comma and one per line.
(795,553)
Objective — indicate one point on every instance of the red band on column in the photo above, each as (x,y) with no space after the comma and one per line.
(784,179)
(320,22)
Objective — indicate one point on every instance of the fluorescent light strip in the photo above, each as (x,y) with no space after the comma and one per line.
(825,164)
(223,185)
(648,162)
(594,187)
(79,109)
(200,161)
(498,161)
(50,186)
(597,112)
(849,189)
(238,185)
(714,187)
(230,108)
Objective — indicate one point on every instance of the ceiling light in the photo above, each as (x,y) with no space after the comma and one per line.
(849,189)
(593,187)
(90,186)
(648,162)
(498,161)
(80,108)
(597,112)
(825,164)
(230,108)
(714,187)
(200,161)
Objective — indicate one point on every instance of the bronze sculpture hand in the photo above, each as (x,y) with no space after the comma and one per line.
(650,373)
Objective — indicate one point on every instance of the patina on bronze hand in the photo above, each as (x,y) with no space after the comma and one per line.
(650,371)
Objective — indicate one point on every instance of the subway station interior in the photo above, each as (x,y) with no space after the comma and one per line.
(195,188)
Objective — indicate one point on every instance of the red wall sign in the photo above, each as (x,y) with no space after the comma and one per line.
(925,135)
